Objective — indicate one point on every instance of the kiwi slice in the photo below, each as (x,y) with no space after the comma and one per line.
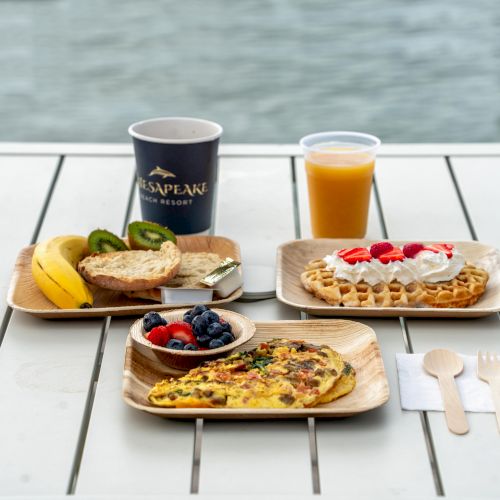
(143,235)
(102,241)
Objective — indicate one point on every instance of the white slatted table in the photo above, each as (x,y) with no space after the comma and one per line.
(64,429)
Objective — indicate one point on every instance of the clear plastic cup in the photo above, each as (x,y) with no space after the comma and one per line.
(339,167)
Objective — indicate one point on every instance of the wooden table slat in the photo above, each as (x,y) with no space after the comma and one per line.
(419,200)
(478,179)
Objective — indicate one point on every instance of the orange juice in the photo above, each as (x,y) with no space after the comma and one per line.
(339,181)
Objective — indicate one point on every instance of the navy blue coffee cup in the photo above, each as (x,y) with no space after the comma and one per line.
(176,160)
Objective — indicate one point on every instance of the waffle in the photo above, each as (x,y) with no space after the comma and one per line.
(462,291)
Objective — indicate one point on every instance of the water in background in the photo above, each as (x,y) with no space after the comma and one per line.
(268,71)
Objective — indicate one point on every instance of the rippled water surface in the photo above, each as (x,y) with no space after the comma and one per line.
(268,71)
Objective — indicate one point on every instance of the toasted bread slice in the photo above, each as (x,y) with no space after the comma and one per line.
(194,267)
(132,270)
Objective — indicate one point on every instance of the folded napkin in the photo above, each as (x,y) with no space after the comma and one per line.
(420,391)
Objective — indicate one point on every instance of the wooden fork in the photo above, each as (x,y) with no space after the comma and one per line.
(488,369)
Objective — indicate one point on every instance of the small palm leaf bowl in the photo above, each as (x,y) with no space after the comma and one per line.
(243,330)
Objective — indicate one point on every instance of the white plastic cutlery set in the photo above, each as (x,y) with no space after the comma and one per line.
(446,365)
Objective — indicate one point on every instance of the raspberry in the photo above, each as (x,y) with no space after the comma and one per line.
(411,249)
(159,335)
(377,249)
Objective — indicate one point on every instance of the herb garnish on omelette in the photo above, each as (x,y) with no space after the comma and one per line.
(277,374)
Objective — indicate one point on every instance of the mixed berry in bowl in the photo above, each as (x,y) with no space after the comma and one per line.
(200,329)
(184,338)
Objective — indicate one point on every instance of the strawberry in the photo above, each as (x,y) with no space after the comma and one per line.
(159,335)
(411,249)
(377,249)
(394,254)
(342,252)
(180,330)
(359,254)
(441,247)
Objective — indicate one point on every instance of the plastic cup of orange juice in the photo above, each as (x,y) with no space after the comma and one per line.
(339,167)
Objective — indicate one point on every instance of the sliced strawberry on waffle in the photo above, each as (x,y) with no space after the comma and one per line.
(353,255)
(441,247)
(393,255)
(343,252)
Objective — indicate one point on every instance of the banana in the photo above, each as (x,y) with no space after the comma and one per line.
(54,270)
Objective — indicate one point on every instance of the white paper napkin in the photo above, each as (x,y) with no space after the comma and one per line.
(420,391)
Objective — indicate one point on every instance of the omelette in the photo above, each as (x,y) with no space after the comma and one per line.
(344,385)
(277,374)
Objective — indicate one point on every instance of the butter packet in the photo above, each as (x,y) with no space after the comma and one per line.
(225,278)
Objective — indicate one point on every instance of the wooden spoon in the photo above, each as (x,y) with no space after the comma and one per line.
(446,365)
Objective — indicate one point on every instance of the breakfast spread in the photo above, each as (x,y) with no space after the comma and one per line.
(200,329)
(384,275)
(64,266)
(280,373)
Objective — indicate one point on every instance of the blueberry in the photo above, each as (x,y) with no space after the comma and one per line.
(204,340)
(199,309)
(226,338)
(212,317)
(215,330)
(175,344)
(151,320)
(227,327)
(190,347)
(199,324)
(215,343)
(187,318)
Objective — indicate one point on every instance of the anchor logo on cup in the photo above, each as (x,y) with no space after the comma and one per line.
(190,145)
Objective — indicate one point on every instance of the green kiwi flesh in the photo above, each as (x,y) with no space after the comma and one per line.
(102,241)
(143,235)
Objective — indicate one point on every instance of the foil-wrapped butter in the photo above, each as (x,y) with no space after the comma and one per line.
(225,278)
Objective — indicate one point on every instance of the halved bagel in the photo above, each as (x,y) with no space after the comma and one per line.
(132,270)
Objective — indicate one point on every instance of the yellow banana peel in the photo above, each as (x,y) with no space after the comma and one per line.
(54,270)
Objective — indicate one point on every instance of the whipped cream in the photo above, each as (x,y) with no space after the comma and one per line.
(426,266)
